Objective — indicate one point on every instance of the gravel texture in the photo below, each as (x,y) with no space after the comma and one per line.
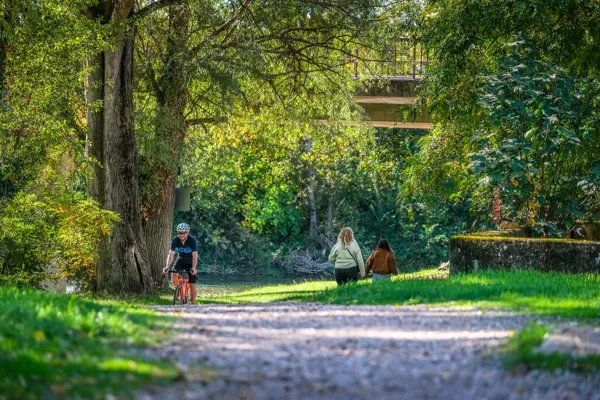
(573,339)
(317,351)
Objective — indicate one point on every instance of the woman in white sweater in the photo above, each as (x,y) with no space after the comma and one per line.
(347,257)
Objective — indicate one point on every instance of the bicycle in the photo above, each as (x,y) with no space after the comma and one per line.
(182,289)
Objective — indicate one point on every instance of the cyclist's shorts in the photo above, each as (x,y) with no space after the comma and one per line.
(185,267)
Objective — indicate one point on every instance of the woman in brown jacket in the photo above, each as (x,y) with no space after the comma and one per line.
(382,261)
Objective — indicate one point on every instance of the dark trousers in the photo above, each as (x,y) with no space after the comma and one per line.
(343,275)
(179,266)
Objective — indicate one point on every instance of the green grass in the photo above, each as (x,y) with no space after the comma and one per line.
(162,298)
(520,351)
(55,346)
(573,296)
(306,290)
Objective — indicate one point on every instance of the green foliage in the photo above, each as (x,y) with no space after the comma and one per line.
(273,214)
(251,179)
(469,35)
(534,143)
(47,227)
(63,346)
(21,277)
(51,236)
(523,124)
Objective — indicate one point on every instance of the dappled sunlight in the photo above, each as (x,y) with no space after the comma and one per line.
(257,328)
(325,344)
(278,310)
(375,332)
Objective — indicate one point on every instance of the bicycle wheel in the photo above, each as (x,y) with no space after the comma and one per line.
(176,294)
(183,298)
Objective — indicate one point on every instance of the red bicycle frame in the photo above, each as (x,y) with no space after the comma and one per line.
(182,288)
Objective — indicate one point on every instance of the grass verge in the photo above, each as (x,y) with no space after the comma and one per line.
(520,351)
(572,296)
(56,346)
(163,298)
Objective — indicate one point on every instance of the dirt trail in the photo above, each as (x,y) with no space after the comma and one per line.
(316,351)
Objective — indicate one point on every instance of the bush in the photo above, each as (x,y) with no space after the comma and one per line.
(41,232)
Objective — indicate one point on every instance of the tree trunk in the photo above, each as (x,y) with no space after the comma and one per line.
(311,196)
(331,212)
(122,265)
(157,231)
(94,96)
(329,229)
(171,94)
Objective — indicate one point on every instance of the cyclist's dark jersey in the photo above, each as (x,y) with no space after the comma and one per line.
(184,250)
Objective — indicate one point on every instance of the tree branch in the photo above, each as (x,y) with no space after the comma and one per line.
(202,121)
(230,21)
(150,8)
(225,25)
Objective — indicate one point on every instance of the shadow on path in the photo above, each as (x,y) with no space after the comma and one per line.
(311,351)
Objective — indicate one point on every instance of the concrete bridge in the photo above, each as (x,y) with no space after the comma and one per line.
(391,87)
(390,102)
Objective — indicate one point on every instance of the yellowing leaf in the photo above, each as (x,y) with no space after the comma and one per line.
(39,335)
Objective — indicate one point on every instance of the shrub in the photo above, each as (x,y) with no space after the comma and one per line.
(42,230)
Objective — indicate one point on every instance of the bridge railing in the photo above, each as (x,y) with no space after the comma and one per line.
(404,58)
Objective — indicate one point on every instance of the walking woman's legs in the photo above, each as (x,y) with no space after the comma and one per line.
(344,275)
(340,276)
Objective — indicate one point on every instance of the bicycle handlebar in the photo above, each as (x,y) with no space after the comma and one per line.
(180,272)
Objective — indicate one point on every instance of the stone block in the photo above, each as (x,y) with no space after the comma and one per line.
(470,253)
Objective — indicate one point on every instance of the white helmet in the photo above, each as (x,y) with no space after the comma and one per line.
(183,227)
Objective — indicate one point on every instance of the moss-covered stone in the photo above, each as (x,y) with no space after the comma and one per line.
(503,233)
(475,252)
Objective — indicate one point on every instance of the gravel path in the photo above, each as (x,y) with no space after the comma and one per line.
(315,351)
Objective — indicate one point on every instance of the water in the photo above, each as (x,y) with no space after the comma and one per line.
(218,284)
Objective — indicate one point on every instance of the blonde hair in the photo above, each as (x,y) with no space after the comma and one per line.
(346,237)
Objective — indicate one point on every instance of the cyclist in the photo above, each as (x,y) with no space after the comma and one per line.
(187,258)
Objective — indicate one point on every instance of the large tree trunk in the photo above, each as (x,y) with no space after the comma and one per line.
(170,131)
(94,95)
(122,265)
(157,230)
